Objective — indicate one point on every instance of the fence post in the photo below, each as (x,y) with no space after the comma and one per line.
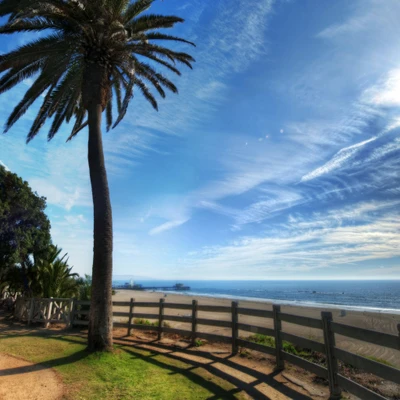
(31,310)
(48,315)
(160,318)
(194,321)
(71,307)
(73,311)
(234,327)
(130,317)
(329,340)
(280,365)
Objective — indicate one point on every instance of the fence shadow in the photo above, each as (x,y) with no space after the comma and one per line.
(221,366)
(212,364)
(135,352)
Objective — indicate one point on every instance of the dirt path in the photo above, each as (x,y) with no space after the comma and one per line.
(20,379)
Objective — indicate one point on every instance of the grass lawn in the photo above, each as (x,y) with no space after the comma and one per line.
(128,373)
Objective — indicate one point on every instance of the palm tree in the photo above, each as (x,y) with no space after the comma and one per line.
(53,276)
(44,275)
(90,61)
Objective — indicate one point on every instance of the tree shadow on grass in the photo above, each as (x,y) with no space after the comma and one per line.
(230,374)
(38,366)
(136,353)
(210,363)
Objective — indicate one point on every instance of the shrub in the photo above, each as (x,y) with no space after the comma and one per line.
(288,347)
(142,321)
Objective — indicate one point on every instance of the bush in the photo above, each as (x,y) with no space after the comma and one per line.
(288,347)
(142,321)
(262,339)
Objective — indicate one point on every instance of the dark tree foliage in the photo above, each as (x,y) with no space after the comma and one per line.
(24,227)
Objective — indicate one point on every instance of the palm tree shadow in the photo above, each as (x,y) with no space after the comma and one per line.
(39,366)
(169,356)
(229,374)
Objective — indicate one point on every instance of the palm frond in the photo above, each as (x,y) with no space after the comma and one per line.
(44,81)
(146,93)
(18,75)
(118,95)
(153,21)
(136,8)
(162,36)
(116,35)
(35,51)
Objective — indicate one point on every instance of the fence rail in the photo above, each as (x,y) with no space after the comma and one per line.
(74,312)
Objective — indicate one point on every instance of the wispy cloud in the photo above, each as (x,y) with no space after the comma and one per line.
(167,226)
(366,231)
(366,14)
(387,92)
(351,26)
(337,161)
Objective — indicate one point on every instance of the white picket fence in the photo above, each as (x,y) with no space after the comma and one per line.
(52,310)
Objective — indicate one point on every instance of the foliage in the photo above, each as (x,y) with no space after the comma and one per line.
(113,36)
(54,277)
(199,343)
(127,373)
(288,347)
(85,288)
(142,321)
(24,228)
(47,275)
(262,339)
(308,354)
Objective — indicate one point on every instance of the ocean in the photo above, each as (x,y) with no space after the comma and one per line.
(359,295)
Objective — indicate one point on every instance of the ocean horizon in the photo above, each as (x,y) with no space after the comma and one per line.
(361,295)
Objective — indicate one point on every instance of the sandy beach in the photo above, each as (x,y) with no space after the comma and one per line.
(378,321)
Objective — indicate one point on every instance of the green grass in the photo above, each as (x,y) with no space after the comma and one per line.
(288,347)
(142,321)
(127,373)
(270,341)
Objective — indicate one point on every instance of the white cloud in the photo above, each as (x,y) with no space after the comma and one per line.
(55,194)
(366,231)
(337,161)
(386,93)
(210,90)
(167,226)
(74,219)
(351,26)
(366,16)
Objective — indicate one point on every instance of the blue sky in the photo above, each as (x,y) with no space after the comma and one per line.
(279,159)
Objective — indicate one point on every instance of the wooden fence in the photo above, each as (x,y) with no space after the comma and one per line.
(73,312)
(47,311)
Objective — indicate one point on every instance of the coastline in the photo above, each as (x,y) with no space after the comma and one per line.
(385,322)
(296,303)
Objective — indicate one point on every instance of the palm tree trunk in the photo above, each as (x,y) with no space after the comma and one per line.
(100,320)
